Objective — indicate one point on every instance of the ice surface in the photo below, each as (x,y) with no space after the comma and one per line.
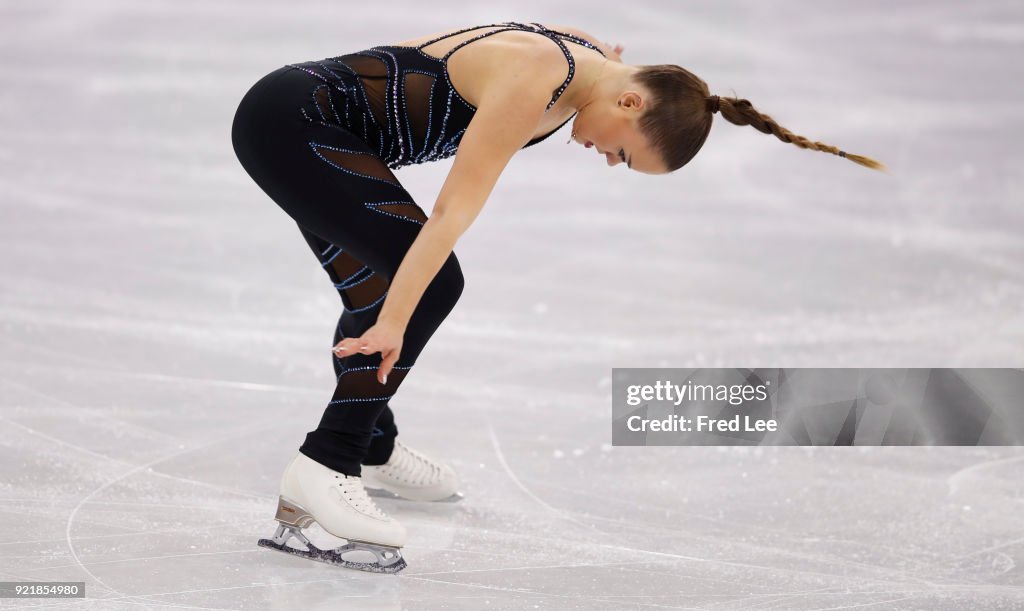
(166,331)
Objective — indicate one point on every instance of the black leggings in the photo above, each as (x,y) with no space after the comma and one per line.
(359,221)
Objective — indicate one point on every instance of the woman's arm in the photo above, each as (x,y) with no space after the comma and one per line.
(510,110)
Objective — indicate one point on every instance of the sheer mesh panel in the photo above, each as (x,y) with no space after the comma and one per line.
(359,385)
(417,102)
(373,75)
(325,105)
(360,164)
(359,285)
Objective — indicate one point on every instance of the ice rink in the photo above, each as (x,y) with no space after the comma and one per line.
(166,331)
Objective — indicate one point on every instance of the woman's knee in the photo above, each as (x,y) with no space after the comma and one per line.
(444,290)
(450,282)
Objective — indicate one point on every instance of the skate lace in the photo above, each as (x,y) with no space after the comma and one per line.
(354,492)
(411,466)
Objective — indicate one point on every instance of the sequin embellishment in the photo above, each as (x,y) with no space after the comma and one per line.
(401,100)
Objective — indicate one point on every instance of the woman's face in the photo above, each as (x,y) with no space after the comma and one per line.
(610,128)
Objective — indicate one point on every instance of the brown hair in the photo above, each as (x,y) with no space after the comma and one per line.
(678,129)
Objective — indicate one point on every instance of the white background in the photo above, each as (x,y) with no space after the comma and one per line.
(166,331)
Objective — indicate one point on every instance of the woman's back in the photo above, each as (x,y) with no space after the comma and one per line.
(469,70)
(413,100)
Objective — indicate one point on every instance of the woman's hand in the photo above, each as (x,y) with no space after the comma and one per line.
(382,337)
(616,50)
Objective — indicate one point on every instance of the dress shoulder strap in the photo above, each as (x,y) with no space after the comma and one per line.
(553,35)
(457,32)
(556,37)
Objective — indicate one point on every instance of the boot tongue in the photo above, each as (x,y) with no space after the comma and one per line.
(422,467)
(360,499)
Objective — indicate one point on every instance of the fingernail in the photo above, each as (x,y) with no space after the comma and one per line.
(385,379)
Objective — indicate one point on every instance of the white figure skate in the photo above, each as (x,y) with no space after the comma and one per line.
(413,475)
(312,492)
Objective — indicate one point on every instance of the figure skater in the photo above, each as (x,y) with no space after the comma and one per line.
(321,138)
